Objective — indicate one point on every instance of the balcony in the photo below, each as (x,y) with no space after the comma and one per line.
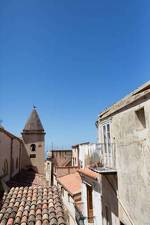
(106,153)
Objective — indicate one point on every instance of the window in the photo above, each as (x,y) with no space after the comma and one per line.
(89,204)
(106,136)
(141,121)
(33,147)
(32,155)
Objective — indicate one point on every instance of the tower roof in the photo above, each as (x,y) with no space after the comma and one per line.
(34,122)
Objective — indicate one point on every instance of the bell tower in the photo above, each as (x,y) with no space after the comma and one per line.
(33,136)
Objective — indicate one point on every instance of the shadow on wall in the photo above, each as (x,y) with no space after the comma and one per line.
(26,161)
(79,216)
(1,192)
(109,198)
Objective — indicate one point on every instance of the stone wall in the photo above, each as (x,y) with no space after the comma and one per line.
(132,141)
(60,171)
(10,153)
(36,157)
(61,157)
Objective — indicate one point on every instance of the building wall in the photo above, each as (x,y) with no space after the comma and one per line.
(16,150)
(132,162)
(10,149)
(5,150)
(61,157)
(82,154)
(97,208)
(48,171)
(109,199)
(75,155)
(96,199)
(60,171)
(38,140)
(84,201)
(86,154)
(25,160)
(68,201)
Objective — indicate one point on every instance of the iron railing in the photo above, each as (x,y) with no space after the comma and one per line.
(107,154)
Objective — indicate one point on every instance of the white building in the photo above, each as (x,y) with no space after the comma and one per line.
(83,154)
(70,187)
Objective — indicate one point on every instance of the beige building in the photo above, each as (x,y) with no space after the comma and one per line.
(118,192)
(22,153)
(124,129)
(10,154)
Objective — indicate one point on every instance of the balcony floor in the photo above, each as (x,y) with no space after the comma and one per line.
(104,170)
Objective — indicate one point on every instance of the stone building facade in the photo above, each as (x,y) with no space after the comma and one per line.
(10,154)
(22,153)
(124,147)
(116,191)
(33,138)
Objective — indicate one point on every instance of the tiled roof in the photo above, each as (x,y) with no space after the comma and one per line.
(89,173)
(34,122)
(71,182)
(32,206)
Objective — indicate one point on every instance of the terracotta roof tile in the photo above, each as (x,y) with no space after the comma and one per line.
(89,173)
(33,206)
(71,182)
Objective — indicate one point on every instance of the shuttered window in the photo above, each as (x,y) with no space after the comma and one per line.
(89,204)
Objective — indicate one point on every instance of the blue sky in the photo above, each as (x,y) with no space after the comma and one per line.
(71,59)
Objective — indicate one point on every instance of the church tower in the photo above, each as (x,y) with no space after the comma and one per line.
(33,137)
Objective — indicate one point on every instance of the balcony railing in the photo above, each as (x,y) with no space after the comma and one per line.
(107,154)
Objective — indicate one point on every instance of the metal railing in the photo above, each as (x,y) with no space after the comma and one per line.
(107,154)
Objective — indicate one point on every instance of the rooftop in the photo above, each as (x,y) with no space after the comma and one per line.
(32,205)
(86,171)
(83,143)
(104,170)
(34,122)
(27,178)
(129,99)
(60,150)
(71,182)
(30,201)
(10,134)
